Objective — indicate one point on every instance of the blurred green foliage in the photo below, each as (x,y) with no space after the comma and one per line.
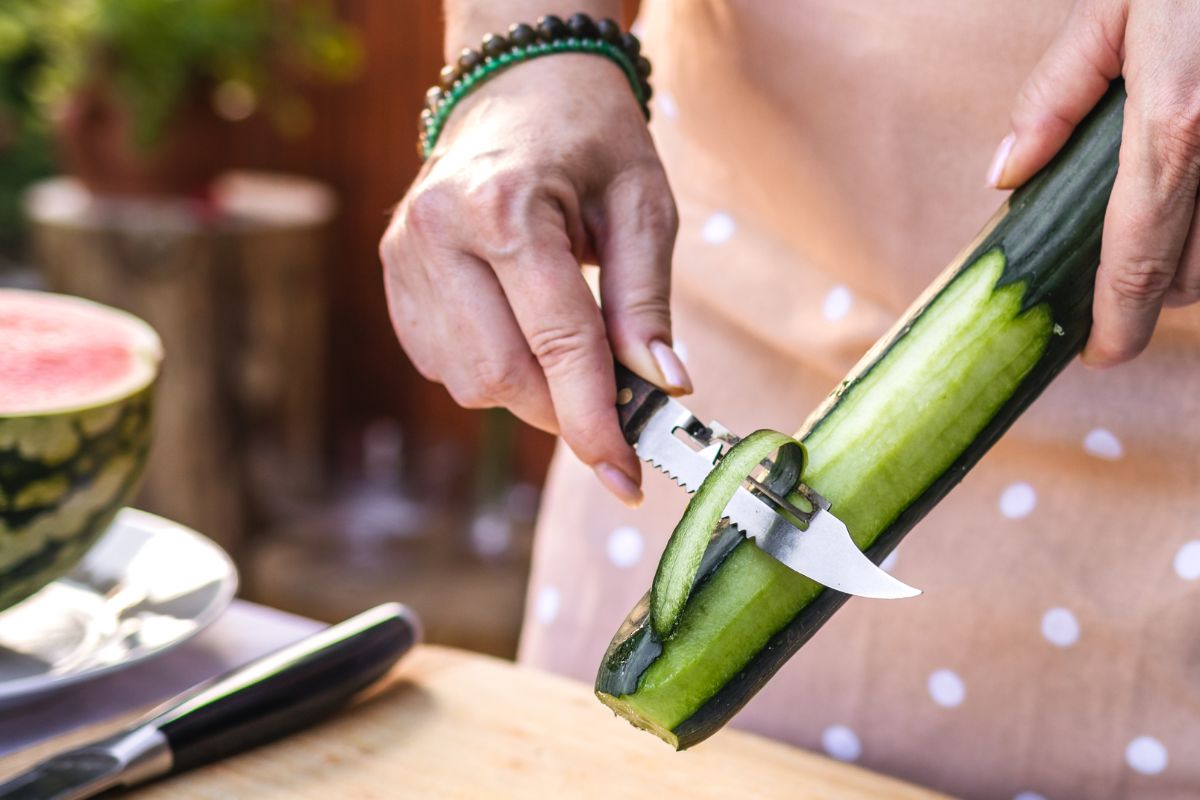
(24,158)
(25,152)
(152,53)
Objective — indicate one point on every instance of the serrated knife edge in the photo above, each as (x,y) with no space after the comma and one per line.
(658,446)
(823,552)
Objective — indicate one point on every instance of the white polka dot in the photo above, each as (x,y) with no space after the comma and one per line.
(841,743)
(1187,561)
(625,546)
(889,563)
(1103,443)
(491,534)
(665,102)
(681,350)
(718,228)
(1146,755)
(1060,627)
(545,608)
(1029,796)
(1017,500)
(837,303)
(946,688)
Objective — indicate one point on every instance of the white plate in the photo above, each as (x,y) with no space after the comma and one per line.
(147,586)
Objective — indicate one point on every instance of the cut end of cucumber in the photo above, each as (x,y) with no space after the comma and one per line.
(732,615)
(622,708)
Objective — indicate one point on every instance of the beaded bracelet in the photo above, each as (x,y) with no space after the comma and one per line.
(579,34)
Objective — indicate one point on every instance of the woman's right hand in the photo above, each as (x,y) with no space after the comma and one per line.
(546,166)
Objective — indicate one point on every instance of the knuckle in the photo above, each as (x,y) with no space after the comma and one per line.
(1141,281)
(391,245)
(1035,112)
(1174,130)
(466,394)
(497,383)
(501,193)
(500,205)
(650,309)
(663,218)
(561,349)
(428,211)
(654,207)
(465,397)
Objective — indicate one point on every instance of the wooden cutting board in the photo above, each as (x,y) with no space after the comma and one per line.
(452,724)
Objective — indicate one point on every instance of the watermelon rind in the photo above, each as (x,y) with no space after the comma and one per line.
(66,471)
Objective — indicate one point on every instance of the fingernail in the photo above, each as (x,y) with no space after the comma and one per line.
(1000,160)
(619,484)
(670,366)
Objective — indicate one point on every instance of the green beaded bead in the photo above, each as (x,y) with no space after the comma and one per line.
(482,70)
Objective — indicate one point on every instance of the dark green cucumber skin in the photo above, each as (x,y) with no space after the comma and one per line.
(1050,234)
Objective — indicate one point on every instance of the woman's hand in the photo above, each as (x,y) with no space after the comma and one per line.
(1151,250)
(546,166)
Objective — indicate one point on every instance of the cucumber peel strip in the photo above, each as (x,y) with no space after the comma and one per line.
(680,561)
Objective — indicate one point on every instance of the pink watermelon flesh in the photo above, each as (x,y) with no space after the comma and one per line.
(60,352)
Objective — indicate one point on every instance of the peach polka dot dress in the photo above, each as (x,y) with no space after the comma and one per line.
(828,159)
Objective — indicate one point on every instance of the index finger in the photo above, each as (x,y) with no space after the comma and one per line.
(563,325)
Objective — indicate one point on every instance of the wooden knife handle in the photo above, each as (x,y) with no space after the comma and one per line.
(637,400)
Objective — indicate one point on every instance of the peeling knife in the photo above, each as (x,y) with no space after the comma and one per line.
(262,701)
(665,434)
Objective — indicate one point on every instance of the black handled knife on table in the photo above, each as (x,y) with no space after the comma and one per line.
(669,437)
(260,702)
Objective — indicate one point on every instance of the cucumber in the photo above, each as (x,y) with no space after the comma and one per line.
(917,412)
(681,558)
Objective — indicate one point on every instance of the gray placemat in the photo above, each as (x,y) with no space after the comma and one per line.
(243,633)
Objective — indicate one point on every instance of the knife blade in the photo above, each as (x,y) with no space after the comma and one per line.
(262,701)
(655,424)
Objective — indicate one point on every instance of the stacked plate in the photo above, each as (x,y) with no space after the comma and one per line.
(148,586)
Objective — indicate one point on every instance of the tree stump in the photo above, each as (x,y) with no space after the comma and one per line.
(236,288)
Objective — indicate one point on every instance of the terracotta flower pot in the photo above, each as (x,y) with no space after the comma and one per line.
(96,143)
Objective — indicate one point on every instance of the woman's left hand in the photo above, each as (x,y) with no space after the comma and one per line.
(1151,249)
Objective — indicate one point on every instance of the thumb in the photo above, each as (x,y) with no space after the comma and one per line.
(1065,85)
(635,278)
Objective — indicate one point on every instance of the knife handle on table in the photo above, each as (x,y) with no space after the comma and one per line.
(637,400)
(286,690)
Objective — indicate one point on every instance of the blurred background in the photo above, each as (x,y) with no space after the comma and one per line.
(224,169)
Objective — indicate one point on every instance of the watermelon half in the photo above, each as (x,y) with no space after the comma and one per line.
(76,381)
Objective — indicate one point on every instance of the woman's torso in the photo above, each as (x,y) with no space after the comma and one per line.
(828,160)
